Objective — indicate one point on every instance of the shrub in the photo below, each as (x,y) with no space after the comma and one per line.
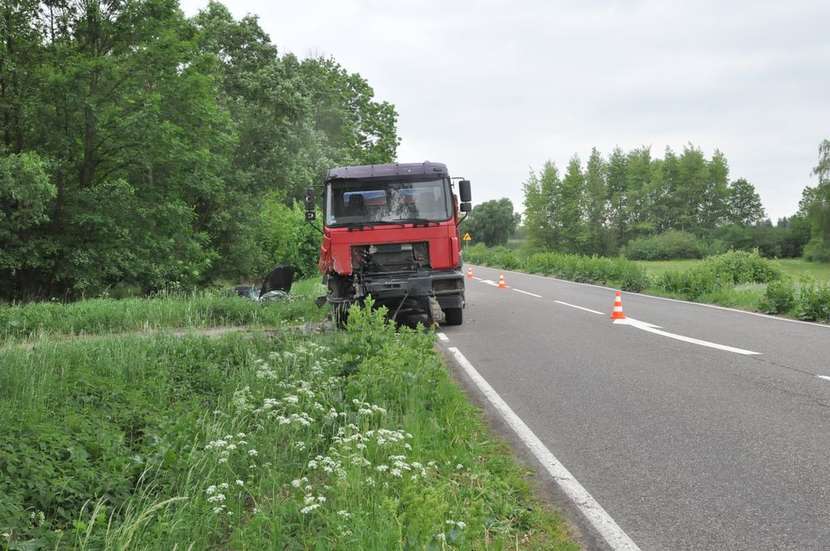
(665,246)
(719,272)
(817,250)
(779,297)
(737,267)
(814,301)
(691,283)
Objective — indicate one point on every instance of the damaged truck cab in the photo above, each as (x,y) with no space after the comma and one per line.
(391,231)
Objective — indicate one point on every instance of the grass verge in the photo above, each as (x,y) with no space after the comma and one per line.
(737,279)
(353,440)
(202,309)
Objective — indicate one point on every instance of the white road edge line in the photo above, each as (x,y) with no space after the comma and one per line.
(527,293)
(616,538)
(825,377)
(578,307)
(654,297)
(651,328)
(442,337)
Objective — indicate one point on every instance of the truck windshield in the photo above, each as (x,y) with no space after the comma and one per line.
(355,202)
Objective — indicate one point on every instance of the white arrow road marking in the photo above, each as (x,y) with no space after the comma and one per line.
(617,539)
(651,328)
(527,293)
(578,307)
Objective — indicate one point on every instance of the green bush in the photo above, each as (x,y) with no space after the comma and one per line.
(286,238)
(719,272)
(814,301)
(817,250)
(691,283)
(737,267)
(779,297)
(665,246)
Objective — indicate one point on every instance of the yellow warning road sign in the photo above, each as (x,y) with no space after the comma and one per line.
(467,237)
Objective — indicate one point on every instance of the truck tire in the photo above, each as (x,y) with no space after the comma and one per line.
(454,316)
(340,314)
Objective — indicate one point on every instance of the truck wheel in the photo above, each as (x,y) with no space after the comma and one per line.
(454,316)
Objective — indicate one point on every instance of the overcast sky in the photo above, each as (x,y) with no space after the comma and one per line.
(495,88)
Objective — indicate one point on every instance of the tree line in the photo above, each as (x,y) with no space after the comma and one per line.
(606,203)
(138,146)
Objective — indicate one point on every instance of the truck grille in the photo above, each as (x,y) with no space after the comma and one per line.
(395,257)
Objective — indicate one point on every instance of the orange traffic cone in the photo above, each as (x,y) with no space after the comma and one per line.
(469,273)
(618,314)
(502,284)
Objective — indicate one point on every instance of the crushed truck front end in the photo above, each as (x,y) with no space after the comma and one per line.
(391,232)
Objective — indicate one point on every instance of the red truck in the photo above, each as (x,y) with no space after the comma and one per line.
(391,232)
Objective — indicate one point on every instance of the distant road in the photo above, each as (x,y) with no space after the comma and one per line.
(692,427)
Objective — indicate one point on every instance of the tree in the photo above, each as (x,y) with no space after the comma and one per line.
(541,197)
(714,203)
(160,136)
(596,204)
(492,222)
(744,203)
(637,204)
(818,203)
(569,212)
(617,198)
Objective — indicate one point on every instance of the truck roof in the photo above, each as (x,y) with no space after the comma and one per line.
(389,170)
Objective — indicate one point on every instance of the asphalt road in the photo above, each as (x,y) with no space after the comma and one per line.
(685,445)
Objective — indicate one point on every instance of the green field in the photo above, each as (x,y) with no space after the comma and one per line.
(354,439)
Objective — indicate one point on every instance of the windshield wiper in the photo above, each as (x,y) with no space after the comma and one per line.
(415,221)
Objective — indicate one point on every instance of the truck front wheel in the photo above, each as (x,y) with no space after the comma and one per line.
(454,316)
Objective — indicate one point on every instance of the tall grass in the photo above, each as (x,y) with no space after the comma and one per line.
(591,269)
(199,309)
(356,440)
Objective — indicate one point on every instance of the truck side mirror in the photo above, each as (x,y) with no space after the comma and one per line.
(310,211)
(464,191)
(465,207)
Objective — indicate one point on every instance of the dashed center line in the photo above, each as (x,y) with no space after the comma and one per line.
(825,377)
(442,337)
(527,293)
